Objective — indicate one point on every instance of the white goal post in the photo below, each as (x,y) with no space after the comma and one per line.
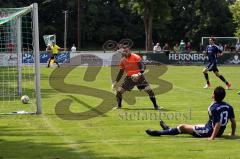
(19,60)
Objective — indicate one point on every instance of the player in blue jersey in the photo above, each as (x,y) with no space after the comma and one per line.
(219,113)
(212,52)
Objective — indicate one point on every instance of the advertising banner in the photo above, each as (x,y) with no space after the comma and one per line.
(62,57)
(108,59)
(191,58)
(7,59)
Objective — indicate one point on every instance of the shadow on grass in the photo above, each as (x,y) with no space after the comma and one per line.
(174,136)
(28,150)
(13,146)
(161,110)
(231,137)
(187,136)
(7,131)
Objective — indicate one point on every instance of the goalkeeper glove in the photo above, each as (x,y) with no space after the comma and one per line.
(136,77)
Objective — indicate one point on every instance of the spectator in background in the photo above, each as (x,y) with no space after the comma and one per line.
(188,47)
(10,47)
(182,46)
(176,48)
(232,47)
(166,49)
(237,46)
(226,47)
(73,48)
(157,48)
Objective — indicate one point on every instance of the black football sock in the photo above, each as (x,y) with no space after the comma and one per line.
(171,131)
(153,132)
(119,99)
(57,63)
(49,62)
(164,125)
(152,97)
(223,79)
(206,77)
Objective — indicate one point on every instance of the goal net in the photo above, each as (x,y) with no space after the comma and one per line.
(229,41)
(19,60)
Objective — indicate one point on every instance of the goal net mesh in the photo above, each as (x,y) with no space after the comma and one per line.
(16,60)
(230,42)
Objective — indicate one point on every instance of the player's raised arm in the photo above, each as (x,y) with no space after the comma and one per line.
(48,48)
(233,126)
(62,49)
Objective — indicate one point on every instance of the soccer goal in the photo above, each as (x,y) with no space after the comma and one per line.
(231,41)
(19,60)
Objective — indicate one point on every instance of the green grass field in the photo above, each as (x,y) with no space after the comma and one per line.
(120,133)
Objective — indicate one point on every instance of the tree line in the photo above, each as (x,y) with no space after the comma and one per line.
(92,22)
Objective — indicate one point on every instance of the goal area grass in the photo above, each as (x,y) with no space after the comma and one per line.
(119,133)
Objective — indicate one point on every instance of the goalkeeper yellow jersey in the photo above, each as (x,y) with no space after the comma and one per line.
(55,49)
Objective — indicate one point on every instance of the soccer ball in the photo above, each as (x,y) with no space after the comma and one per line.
(25,99)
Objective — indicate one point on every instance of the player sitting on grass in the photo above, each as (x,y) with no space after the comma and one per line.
(133,65)
(219,113)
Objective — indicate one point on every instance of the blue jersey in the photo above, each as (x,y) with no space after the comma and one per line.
(219,113)
(212,51)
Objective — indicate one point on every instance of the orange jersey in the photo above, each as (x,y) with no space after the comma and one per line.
(130,64)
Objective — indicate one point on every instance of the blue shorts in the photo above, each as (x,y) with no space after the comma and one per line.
(212,67)
(202,131)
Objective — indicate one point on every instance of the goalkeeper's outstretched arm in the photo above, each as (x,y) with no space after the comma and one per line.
(119,76)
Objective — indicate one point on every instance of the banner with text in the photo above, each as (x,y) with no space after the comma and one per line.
(192,58)
(108,59)
(62,57)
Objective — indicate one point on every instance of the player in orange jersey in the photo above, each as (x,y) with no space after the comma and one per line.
(134,67)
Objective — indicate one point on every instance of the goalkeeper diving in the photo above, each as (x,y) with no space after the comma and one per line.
(134,67)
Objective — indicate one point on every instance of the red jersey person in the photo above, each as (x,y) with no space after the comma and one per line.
(134,67)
